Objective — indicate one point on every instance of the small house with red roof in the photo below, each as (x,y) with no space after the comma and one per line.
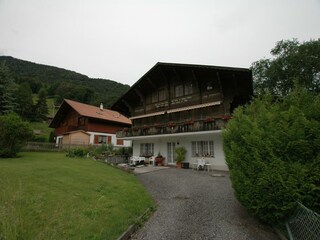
(77,123)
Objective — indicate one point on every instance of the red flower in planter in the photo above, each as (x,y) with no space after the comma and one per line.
(135,129)
(226,117)
(210,119)
(157,125)
(190,122)
(171,124)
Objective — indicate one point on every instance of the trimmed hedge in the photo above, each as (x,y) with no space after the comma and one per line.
(272,149)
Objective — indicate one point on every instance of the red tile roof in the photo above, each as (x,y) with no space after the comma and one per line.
(95,112)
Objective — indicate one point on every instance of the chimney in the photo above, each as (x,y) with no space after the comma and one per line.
(101,106)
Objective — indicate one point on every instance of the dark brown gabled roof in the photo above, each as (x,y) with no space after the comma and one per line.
(88,111)
(119,106)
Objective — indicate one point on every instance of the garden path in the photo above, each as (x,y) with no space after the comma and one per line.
(197,205)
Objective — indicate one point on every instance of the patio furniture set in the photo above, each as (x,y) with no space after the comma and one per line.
(200,164)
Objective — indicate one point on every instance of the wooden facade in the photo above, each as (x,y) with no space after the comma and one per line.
(73,121)
(175,98)
(101,124)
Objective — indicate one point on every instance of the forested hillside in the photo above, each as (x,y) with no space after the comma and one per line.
(59,83)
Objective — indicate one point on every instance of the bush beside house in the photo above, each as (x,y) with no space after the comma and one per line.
(272,149)
(13,133)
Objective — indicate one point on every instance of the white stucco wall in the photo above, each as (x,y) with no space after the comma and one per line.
(126,143)
(185,140)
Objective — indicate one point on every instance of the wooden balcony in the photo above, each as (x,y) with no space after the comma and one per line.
(173,127)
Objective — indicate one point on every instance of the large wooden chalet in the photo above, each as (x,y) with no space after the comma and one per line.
(183,105)
(77,123)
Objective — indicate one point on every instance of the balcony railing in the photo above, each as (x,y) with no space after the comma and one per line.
(173,127)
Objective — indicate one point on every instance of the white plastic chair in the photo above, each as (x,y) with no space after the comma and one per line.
(201,163)
(152,160)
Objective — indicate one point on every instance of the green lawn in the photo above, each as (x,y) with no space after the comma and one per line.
(50,196)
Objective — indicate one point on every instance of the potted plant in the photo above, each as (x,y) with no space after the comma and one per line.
(159,160)
(180,155)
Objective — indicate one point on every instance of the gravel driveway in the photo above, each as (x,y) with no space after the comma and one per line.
(195,205)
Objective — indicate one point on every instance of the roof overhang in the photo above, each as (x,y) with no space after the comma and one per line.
(172,135)
(122,103)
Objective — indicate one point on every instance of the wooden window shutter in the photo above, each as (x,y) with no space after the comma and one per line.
(96,139)
(109,139)
(119,141)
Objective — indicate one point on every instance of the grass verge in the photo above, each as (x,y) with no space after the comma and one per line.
(50,196)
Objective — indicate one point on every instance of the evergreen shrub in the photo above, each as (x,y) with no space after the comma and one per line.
(272,149)
(77,152)
(13,133)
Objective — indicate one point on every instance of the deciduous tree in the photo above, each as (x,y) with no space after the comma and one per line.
(291,62)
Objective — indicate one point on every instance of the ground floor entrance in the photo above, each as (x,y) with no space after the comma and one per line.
(171,152)
(205,145)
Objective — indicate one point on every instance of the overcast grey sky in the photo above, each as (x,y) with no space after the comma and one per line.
(122,39)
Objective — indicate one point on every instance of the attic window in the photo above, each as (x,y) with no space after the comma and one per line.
(188,89)
(81,121)
(178,91)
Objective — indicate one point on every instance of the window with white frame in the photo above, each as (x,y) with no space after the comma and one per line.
(102,139)
(146,149)
(202,149)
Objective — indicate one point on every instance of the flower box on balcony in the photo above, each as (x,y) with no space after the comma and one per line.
(157,125)
(210,119)
(226,117)
(171,124)
(189,122)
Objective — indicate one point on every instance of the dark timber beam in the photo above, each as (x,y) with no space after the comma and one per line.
(142,98)
(220,85)
(197,81)
(166,79)
(163,75)
(234,80)
(178,75)
(139,94)
(151,83)
(128,106)
(221,90)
